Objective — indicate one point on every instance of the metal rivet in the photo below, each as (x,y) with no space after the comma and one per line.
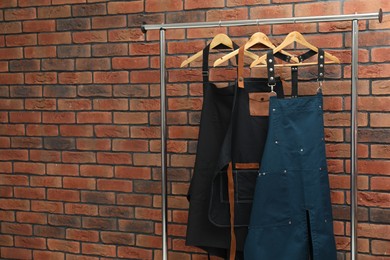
(276,142)
(289,222)
(322,139)
(274,109)
(285,171)
(321,65)
(320,169)
(321,74)
(270,60)
(301,150)
(321,57)
(319,106)
(271,69)
(271,78)
(326,220)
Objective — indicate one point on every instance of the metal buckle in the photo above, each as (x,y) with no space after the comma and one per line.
(272,87)
(320,84)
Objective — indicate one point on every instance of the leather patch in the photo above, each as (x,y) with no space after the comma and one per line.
(259,104)
(246,166)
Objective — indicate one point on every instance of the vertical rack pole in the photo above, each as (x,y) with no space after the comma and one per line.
(163,112)
(354,127)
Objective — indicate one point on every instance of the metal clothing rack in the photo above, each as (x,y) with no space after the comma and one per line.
(354,112)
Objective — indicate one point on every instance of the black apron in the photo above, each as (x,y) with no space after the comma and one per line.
(228,133)
(291,217)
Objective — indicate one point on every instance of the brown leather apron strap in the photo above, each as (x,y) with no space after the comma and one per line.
(240,69)
(233,244)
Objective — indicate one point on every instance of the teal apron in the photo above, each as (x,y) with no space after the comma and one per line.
(291,218)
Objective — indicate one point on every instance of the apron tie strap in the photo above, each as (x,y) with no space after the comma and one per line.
(233,243)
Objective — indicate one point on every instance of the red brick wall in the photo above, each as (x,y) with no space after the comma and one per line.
(79,121)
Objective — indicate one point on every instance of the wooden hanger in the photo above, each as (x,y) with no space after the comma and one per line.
(291,38)
(220,40)
(258,38)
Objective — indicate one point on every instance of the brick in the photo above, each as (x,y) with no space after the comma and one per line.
(380,151)
(29,193)
(137,19)
(130,63)
(314,9)
(58,117)
(149,241)
(17,229)
(12,179)
(111,104)
(46,206)
(40,104)
(54,12)
(94,117)
(144,77)
(10,54)
(113,49)
(116,211)
(157,6)
(380,215)
(7,215)
(65,220)
(74,104)
(145,104)
(10,27)
(111,77)
(79,183)
(146,213)
(116,21)
(24,65)
(30,242)
(192,4)
(89,36)
(11,78)
(112,131)
(125,7)
(73,24)
(130,118)
(99,249)
(359,6)
(150,187)
(45,181)
(134,200)
(380,87)
(41,78)
(76,130)
(48,255)
(61,2)
(59,91)
(134,252)
(96,171)
(11,104)
(130,145)
(82,235)
(379,120)
(54,38)
(78,157)
(30,168)
(16,253)
(24,3)
(98,197)
(30,217)
(16,155)
(63,245)
(137,226)
(75,77)
(42,130)
(186,132)
(380,183)
(48,231)
(93,144)
(374,199)
(95,91)
(81,257)
(99,223)
(370,38)
(6,240)
(45,156)
(126,35)
(89,10)
(117,238)
(63,195)
(20,14)
(145,49)
(370,71)
(131,91)
(57,64)
(115,185)
(9,3)
(39,26)
(25,117)
(26,142)
(373,230)
(81,209)
(114,158)
(21,40)
(40,52)
(233,14)
(12,129)
(93,64)
(74,51)
(5,142)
